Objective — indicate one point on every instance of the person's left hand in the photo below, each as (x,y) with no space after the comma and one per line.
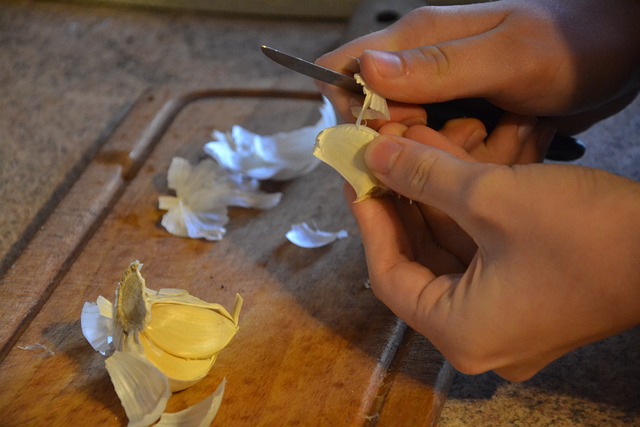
(440,244)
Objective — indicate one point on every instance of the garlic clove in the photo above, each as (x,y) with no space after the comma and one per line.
(307,237)
(189,331)
(198,415)
(342,147)
(181,373)
(143,390)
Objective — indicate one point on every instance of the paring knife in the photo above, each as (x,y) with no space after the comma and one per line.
(563,148)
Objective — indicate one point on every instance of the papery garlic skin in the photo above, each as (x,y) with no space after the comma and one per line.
(97,326)
(281,156)
(203,194)
(374,105)
(198,415)
(141,387)
(178,333)
(305,236)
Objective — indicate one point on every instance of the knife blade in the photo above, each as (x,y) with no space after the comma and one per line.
(562,148)
(311,70)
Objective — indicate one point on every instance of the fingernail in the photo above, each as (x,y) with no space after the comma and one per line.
(387,64)
(545,137)
(526,127)
(414,121)
(382,154)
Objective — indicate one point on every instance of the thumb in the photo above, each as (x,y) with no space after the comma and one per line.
(427,74)
(425,174)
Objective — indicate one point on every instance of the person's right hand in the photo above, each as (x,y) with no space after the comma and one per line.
(556,261)
(578,60)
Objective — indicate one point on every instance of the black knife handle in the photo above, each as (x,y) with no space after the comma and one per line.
(563,148)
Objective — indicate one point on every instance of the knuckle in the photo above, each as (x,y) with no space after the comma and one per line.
(436,56)
(482,190)
(420,173)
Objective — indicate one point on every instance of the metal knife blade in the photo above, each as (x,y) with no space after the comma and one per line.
(311,70)
(563,148)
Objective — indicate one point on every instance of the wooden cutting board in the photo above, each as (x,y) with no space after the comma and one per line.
(314,347)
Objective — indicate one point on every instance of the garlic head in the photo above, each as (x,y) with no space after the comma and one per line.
(180,334)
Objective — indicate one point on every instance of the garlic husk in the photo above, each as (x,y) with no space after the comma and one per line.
(374,105)
(305,236)
(342,147)
(143,390)
(203,194)
(281,156)
(178,333)
(198,415)
(96,324)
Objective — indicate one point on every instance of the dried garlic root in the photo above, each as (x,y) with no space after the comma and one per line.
(342,147)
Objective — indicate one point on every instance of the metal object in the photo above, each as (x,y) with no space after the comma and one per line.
(562,148)
(312,70)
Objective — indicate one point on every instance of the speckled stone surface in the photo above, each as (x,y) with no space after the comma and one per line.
(68,72)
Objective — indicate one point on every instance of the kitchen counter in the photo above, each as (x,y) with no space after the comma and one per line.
(73,76)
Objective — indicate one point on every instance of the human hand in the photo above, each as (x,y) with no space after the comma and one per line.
(516,140)
(577,61)
(555,268)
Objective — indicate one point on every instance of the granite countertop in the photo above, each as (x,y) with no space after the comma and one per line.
(69,72)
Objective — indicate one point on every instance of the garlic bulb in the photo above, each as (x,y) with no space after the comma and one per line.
(342,147)
(178,333)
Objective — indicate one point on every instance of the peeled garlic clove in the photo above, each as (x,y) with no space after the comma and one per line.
(198,415)
(342,147)
(143,390)
(189,331)
(180,372)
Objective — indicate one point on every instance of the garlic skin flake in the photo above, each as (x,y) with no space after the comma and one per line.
(282,156)
(176,332)
(199,415)
(142,389)
(305,236)
(374,105)
(203,194)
